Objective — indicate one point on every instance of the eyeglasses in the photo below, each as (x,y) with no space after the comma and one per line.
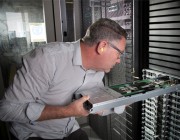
(121,53)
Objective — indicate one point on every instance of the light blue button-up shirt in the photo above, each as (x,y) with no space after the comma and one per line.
(50,75)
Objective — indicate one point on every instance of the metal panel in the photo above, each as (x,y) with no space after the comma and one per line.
(165,5)
(1,84)
(129,49)
(164,32)
(101,126)
(165,57)
(49,18)
(165,45)
(77,19)
(164,19)
(86,16)
(163,69)
(60,20)
(70,33)
(165,51)
(165,25)
(164,63)
(165,39)
(158,1)
(164,12)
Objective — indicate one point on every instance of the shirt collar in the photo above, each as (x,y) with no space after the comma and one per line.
(77,57)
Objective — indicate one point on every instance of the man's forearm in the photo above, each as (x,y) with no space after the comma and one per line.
(54,112)
(57,112)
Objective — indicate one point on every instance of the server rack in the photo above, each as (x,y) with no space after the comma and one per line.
(160,117)
(123,126)
(158,40)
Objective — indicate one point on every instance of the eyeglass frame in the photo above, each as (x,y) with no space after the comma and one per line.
(116,48)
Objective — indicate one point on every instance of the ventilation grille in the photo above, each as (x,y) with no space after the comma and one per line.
(164,36)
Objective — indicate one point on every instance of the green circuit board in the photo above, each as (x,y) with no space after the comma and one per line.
(142,86)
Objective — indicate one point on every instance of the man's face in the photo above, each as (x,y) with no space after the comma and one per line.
(113,54)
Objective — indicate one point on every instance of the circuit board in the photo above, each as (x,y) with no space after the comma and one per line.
(142,86)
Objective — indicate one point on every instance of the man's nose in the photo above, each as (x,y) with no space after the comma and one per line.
(118,61)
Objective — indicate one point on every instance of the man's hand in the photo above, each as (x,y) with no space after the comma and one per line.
(76,108)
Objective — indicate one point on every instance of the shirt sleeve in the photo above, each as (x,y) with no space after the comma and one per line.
(22,101)
(34,110)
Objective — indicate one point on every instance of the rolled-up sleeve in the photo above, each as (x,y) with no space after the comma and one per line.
(34,110)
(20,112)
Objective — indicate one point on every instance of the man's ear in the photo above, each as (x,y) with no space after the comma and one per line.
(102,46)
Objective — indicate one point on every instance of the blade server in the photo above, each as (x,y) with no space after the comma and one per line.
(103,98)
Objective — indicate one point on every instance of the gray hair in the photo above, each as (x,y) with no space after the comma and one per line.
(104,28)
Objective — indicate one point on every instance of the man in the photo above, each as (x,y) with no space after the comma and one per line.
(39,101)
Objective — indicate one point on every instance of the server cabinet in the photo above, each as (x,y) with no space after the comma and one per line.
(123,126)
(158,41)
(160,118)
